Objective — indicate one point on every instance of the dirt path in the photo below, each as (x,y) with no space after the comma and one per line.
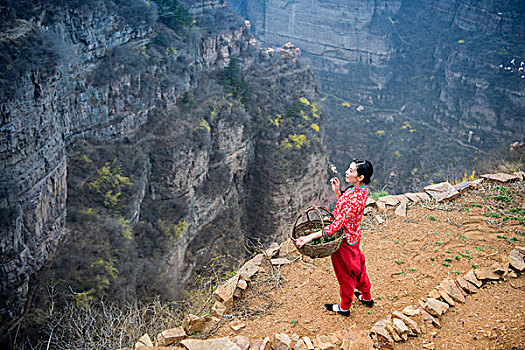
(406,258)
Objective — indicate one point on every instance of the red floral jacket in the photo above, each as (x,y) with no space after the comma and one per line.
(348,213)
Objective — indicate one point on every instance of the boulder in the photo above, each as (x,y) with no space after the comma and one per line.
(242,342)
(300,345)
(402,198)
(199,324)
(388,200)
(384,343)
(500,177)
(471,277)
(381,331)
(441,191)
(410,310)
(475,183)
(462,185)
(501,267)
(411,324)
(446,298)
(273,250)
(516,260)
(370,201)
(356,339)
(237,325)
(401,328)
(250,268)
(401,210)
(466,285)
(420,320)
(392,331)
(225,293)
(242,284)
(287,248)
(322,339)
(413,197)
(327,346)
(381,206)
(487,273)
(449,286)
(322,343)
(145,340)
(379,328)
(215,344)
(238,293)
(332,338)
(218,309)
(281,341)
(461,290)
(241,287)
(428,318)
(211,324)
(279,261)
(171,336)
(379,219)
(435,307)
(423,196)
(434,293)
(308,343)
(261,344)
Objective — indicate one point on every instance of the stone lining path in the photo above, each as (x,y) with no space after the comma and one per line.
(396,327)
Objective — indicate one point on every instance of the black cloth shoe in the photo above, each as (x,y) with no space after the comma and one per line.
(368,303)
(336,308)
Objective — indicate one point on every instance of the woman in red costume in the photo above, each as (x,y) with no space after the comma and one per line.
(348,261)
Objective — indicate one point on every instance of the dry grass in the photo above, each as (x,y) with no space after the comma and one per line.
(86,323)
(15,33)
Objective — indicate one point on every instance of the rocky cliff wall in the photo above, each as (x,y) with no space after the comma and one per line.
(340,32)
(437,64)
(217,174)
(111,75)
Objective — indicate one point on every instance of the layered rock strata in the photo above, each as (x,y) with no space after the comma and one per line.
(404,78)
(99,83)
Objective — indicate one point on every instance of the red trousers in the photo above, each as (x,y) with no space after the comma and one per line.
(350,269)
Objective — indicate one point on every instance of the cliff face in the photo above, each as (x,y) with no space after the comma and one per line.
(337,31)
(103,100)
(433,64)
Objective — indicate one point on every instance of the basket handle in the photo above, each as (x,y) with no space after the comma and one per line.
(306,211)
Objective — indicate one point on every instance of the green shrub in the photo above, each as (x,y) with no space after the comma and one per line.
(377,194)
(173,14)
(109,182)
(233,81)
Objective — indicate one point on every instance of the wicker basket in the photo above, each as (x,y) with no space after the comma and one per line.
(305,228)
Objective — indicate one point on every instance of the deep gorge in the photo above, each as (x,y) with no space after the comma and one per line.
(133,153)
(424,89)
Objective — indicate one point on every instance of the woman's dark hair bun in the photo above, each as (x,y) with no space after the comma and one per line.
(365,168)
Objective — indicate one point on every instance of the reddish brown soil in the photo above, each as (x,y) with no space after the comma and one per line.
(405,260)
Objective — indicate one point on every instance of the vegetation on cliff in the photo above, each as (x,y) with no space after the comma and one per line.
(173,14)
(143,208)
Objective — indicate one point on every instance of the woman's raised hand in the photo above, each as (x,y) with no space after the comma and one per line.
(334,181)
